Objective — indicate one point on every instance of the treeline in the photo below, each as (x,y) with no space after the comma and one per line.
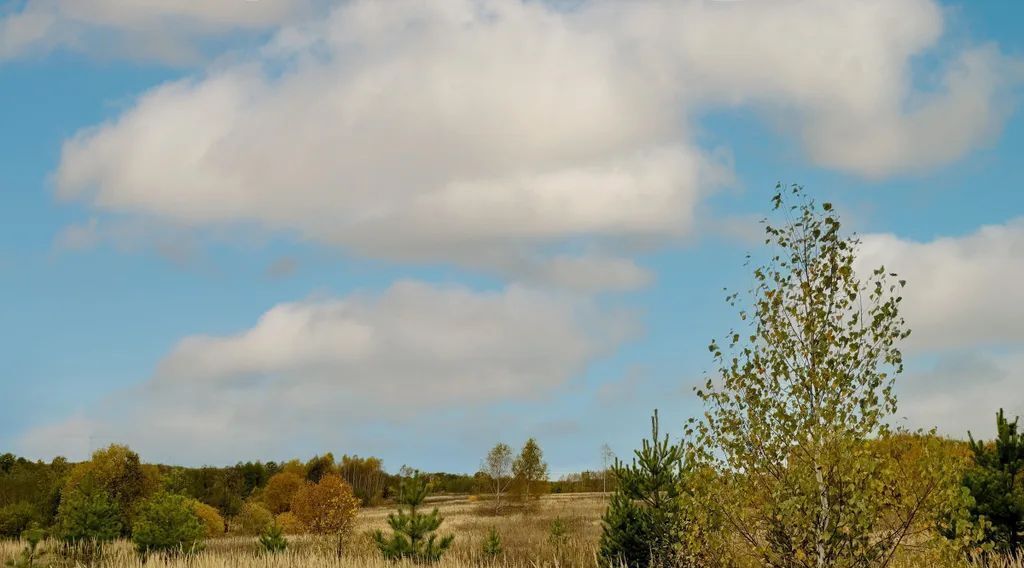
(30,491)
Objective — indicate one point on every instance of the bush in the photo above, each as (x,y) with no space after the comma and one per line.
(88,518)
(290,524)
(273,539)
(167,523)
(15,518)
(254,518)
(210,517)
(413,532)
(326,508)
(492,544)
(280,491)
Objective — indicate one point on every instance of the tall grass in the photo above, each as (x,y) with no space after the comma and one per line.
(525,535)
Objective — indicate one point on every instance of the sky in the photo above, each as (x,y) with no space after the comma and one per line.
(260,229)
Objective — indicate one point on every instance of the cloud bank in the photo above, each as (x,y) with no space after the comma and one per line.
(323,370)
(494,134)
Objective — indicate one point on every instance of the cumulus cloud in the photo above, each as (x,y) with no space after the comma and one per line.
(964,303)
(962,292)
(165,30)
(483,133)
(322,370)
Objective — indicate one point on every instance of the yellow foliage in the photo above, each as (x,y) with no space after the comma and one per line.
(280,490)
(210,517)
(254,518)
(328,507)
(290,524)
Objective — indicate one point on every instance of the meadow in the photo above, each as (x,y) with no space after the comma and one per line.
(526,538)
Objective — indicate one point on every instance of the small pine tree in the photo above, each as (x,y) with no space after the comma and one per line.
(996,484)
(642,519)
(273,540)
(167,523)
(492,544)
(413,532)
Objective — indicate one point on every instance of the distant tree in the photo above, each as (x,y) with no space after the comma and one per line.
(319,466)
(280,491)
(413,531)
(117,472)
(16,518)
(642,524)
(254,518)
(210,517)
(327,508)
(607,459)
(366,476)
(498,468)
(167,523)
(530,468)
(996,483)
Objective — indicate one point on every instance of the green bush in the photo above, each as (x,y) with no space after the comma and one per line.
(92,518)
(273,540)
(996,484)
(492,545)
(167,523)
(15,518)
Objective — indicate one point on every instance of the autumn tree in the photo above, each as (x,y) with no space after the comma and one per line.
(498,468)
(530,468)
(412,531)
(117,472)
(802,388)
(327,508)
(213,523)
(280,491)
(254,518)
(319,466)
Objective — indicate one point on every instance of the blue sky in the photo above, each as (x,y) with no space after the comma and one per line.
(262,231)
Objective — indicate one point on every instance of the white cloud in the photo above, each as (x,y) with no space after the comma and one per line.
(962,292)
(167,30)
(962,393)
(320,369)
(471,131)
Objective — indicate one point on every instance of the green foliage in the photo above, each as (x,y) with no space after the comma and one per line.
(167,523)
(643,519)
(117,472)
(558,533)
(15,518)
(273,540)
(254,518)
(996,485)
(530,468)
(413,531)
(492,544)
(802,390)
(90,518)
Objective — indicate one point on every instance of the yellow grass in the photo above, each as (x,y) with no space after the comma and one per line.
(525,539)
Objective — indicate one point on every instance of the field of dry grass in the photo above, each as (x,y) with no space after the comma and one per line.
(526,541)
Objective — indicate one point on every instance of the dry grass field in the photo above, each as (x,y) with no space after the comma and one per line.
(525,536)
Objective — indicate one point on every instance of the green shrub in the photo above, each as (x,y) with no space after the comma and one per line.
(167,523)
(492,545)
(93,518)
(413,531)
(15,518)
(273,540)
(996,484)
